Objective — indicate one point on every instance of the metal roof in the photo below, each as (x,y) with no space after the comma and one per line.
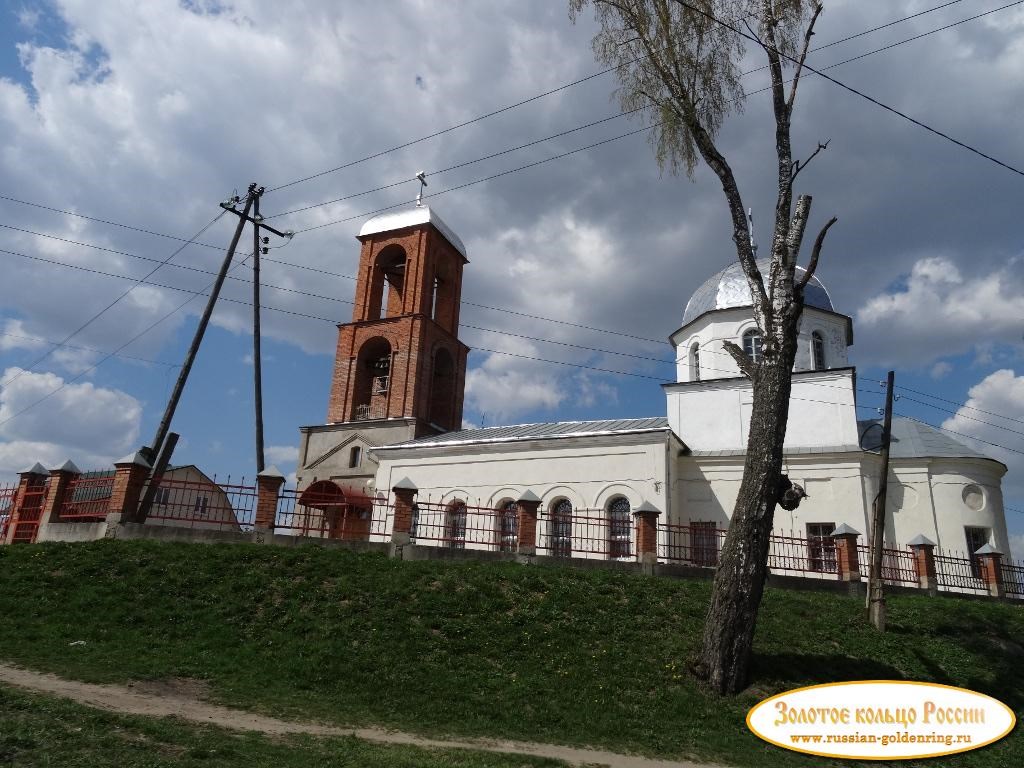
(729,288)
(411,217)
(541,431)
(914,440)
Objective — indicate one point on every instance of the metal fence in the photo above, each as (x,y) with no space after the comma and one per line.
(458,525)
(27,525)
(959,573)
(898,566)
(207,504)
(7,496)
(87,497)
(566,532)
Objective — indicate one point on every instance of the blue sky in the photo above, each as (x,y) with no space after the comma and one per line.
(150,114)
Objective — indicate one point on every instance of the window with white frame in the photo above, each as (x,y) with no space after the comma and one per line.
(695,362)
(200,506)
(752,344)
(817,351)
(821,547)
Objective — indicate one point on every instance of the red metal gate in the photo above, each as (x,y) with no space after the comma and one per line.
(27,524)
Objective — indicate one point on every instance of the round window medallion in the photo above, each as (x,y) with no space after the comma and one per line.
(974,497)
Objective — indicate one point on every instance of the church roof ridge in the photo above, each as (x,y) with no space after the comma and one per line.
(537,431)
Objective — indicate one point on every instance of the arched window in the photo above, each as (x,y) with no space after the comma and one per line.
(561,528)
(372,380)
(508,530)
(355,456)
(817,352)
(695,362)
(455,525)
(391,262)
(620,528)
(752,345)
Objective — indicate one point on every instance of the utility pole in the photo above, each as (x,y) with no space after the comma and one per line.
(153,450)
(257,366)
(876,598)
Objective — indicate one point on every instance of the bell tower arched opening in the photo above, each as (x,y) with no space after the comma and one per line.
(372,380)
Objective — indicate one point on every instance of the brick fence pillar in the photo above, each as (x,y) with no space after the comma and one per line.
(405,491)
(60,479)
(990,562)
(528,504)
(268,488)
(31,480)
(924,562)
(130,476)
(647,533)
(847,562)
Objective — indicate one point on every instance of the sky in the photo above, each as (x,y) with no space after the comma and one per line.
(144,116)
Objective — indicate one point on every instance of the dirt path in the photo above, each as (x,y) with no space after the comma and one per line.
(167,700)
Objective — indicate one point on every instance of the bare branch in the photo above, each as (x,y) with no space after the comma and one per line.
(798,166)
(815,253)
(746,365)
(803,55)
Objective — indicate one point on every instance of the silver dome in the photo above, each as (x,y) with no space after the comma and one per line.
(729,288)
(412,217)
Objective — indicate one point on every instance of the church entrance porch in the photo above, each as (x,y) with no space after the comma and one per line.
(326,510)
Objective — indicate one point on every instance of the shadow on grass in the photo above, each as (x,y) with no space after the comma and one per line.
(799,669)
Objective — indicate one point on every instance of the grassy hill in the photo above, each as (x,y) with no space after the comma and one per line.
(477,649)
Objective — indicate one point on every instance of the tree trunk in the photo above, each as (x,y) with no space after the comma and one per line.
(724,659)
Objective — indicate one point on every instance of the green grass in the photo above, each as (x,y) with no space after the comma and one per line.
(476,649)
(36,731)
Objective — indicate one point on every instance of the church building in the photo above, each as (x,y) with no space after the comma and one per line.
(395,414)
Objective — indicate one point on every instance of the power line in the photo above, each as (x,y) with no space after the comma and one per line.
(863,95)
(964,415)
(87,349)
(109,355)
(550,92)
(109,222)
(961,434)
(958,404)
(109,306)
(655,125)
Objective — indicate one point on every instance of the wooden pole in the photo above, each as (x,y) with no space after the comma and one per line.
(876,597)
(165,423)
(158,472)
(257,365)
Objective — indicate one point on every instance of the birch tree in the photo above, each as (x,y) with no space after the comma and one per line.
(678,65)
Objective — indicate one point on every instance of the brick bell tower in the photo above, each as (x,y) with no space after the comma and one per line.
(399,368)
(400,357)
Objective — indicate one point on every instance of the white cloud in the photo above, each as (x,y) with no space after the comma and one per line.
(998,399)
(941,312)
(93,426)
(1017,546)
(281,454)
(941,369)
(504,386)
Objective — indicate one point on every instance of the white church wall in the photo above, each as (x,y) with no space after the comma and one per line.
(710,331)
(955,487)
(587,472)
(715,415)
(708,487)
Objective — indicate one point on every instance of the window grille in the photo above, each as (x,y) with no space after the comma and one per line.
(509,533)
(620,528)
(456,527)
(561,529)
